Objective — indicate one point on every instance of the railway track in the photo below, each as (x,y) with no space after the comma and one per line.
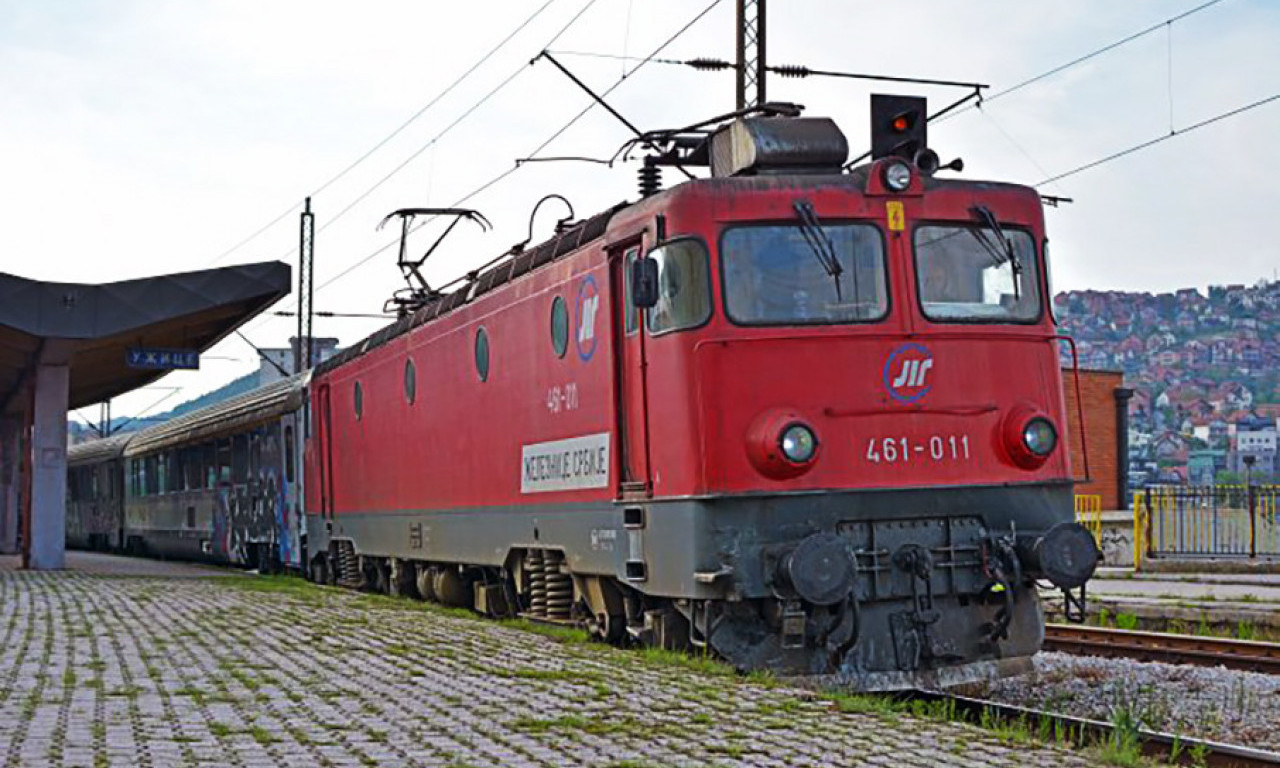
(1244,655)
(1177,750)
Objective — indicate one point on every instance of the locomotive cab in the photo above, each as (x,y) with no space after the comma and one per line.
(870,468)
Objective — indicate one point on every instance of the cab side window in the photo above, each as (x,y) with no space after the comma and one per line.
(684,286)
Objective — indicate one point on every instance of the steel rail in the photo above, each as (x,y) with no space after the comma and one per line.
(1083,731)
(1247,655)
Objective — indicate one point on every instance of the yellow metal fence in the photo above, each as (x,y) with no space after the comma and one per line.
(1089,514)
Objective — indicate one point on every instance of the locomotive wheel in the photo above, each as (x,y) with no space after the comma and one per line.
(451,589)
(381,581)
(319,571)
(401,578)
(426,582)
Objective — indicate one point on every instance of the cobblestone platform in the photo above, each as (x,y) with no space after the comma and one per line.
(107,670)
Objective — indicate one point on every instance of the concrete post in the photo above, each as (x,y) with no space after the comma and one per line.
(49,468)
(10,469)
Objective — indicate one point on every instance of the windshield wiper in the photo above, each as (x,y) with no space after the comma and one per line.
(998,255)
(820,244)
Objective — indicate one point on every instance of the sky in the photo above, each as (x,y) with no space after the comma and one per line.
(142,137)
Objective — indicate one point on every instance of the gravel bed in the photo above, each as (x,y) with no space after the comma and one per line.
(1201,702)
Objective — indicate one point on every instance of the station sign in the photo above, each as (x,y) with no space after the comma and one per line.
(153,358)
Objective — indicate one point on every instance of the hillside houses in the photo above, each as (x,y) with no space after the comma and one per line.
(1205,368)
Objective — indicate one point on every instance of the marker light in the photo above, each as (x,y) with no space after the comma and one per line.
(897,176)
(781,445)
(798,443)
(1029,437)
(1039,436)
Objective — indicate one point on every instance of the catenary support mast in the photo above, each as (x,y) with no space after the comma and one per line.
(306,256)
(751,53)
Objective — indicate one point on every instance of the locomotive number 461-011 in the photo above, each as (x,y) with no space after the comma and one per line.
(903,449)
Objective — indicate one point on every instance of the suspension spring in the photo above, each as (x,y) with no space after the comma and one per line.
(535,568)
(559,587)
(348,566)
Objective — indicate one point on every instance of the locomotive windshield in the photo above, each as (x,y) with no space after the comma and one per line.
(774,274)
(964,274)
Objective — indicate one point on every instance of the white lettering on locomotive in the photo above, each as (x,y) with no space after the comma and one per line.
(565,465)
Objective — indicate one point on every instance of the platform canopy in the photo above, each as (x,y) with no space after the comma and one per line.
(93,327)
(66,345)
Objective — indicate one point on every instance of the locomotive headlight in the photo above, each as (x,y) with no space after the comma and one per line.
(1039,436)
(1029,436)
(798,443)
(897,176)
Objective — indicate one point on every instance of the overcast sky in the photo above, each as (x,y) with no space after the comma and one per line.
(142,137)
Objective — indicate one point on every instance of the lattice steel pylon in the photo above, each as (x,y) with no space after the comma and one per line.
(751,53)
(306,258)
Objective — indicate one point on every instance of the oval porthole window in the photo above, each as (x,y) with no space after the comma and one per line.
(359,401)
(410,381)
(559,326)
(482,354)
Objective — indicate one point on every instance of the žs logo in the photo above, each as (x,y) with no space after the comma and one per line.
(588,307)
(906,373)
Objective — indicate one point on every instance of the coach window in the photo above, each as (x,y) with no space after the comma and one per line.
(358,401)
(288,453)
(210,453)
(482,354)
(684,286)
(410,382)
(224,461)
(255,453)
(151,474)
(162,473)
(239,459)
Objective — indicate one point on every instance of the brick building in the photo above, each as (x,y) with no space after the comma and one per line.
(1104,402)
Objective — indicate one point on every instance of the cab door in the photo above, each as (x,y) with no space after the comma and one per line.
(632,390)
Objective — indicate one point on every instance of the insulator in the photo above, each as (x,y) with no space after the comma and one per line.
(791,70)
(709,65)
(650,180)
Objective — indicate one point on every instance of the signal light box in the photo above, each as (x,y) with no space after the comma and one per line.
(899,126)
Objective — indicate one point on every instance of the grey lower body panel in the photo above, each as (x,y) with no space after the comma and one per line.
(678,539)
(883,589)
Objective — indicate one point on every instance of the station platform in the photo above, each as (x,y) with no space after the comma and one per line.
(116,662)
(1228,603)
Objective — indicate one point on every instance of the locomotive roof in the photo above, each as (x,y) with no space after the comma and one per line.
(230,415)
(593,228)
(97,451)
(486,280)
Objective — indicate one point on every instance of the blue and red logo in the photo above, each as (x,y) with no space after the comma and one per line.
(906,373)
(588,307)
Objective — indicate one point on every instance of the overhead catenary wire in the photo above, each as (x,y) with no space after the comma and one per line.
(431,142)
(397,131)
(446,130)
(1157,140)
(506,173)
(1086,57)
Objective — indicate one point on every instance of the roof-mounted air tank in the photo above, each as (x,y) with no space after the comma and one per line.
(774,145)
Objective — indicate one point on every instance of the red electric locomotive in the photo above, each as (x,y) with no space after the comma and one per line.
(806,417)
